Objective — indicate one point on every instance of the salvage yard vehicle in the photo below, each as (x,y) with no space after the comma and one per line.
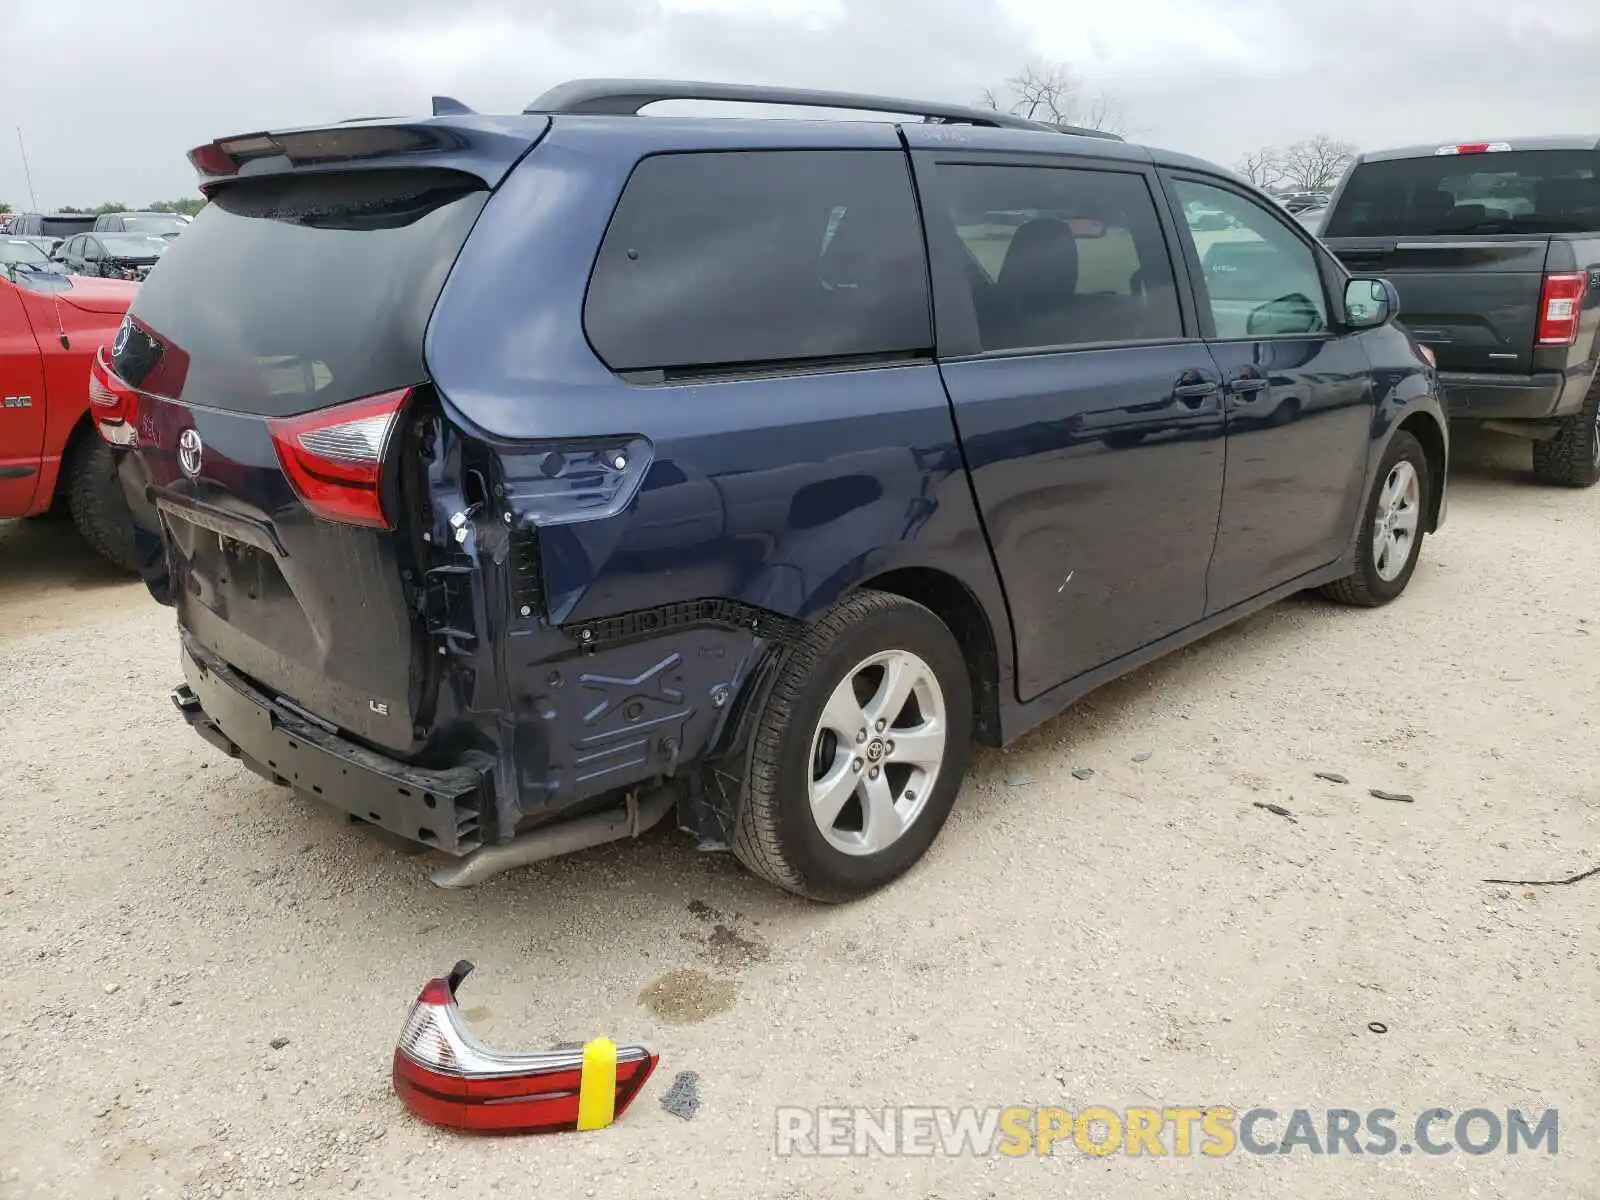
(520,480)
(1495,248)
(51,325)
(112,255)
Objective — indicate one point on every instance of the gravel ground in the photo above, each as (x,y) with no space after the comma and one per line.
(1148,935)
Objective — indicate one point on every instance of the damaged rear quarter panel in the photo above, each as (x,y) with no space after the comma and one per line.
(777,493)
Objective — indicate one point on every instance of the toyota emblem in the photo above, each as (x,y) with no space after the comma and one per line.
(189,452)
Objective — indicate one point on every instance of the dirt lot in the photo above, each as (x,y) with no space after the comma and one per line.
(1149,935)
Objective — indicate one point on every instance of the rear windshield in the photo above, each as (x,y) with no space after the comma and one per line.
(290,294)
(65,226)
(1516,191)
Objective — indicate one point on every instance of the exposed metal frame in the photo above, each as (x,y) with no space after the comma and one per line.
(626,97)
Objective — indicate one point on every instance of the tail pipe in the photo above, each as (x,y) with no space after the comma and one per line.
(630,820)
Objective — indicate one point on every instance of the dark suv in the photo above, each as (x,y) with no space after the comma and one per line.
(520,480)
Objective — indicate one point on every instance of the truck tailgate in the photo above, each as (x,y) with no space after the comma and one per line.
(1473,301)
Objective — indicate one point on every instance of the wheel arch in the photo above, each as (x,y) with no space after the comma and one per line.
(82,430)
(949,599)
(1430,432)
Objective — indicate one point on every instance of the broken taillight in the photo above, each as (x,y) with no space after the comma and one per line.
(112,402)
(443,1074)
(334,457)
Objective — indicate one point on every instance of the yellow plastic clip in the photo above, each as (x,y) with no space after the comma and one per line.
(597,1092)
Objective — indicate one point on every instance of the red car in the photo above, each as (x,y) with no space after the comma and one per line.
(51,326)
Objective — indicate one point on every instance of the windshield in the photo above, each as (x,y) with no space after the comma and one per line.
(154,223)
(25,265)
(133,245)
(1516,191)
(15,251)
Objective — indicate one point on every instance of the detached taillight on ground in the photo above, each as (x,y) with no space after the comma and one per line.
(334,457)
(443,1074)
(1560,308)
(112,402)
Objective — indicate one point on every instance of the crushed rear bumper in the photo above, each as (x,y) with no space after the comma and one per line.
(444,810)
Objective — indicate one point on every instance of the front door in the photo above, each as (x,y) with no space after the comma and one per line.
(1298,394)
(1089,413)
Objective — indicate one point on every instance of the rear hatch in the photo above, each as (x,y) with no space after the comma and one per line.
(278,353)
(1464,234)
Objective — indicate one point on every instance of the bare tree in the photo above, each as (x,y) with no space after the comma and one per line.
(1053,92)
(1317,163)
(1263,167)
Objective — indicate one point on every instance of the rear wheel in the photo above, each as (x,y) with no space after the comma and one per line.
(1572,457)
(95,499)
(1391,528)
(859,751)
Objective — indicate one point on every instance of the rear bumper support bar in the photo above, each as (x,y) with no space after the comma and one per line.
(441,809)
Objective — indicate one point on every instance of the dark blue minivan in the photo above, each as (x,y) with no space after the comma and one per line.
(521,480)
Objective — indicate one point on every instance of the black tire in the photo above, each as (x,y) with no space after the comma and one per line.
(775,835)
(1364,587)
(1572,458)
(96,501)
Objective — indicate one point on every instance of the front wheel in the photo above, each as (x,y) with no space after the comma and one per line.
(859,751)
(1392,528)
(1572,458)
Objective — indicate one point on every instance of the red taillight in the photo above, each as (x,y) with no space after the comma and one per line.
(1560,308)
(445,1075)
(334,457)
(112,402)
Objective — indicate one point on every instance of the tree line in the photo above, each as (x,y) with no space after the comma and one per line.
(1313,165)
(1044,90)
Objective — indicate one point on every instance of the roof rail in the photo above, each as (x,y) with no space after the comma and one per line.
(625,97)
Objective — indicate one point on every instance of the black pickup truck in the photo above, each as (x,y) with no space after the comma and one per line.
(1495,247)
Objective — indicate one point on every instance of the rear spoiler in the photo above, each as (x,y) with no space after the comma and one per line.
(485,147)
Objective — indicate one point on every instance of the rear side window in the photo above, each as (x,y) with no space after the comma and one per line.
(294,293)
(736,260)
(1058,256)
(1515,191)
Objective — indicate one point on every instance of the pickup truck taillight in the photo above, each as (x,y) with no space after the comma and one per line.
(1560,306)
(112,402)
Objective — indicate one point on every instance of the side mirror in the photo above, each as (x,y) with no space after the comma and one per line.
(1369,303)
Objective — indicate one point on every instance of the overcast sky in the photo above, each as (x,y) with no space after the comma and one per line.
(110,94)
